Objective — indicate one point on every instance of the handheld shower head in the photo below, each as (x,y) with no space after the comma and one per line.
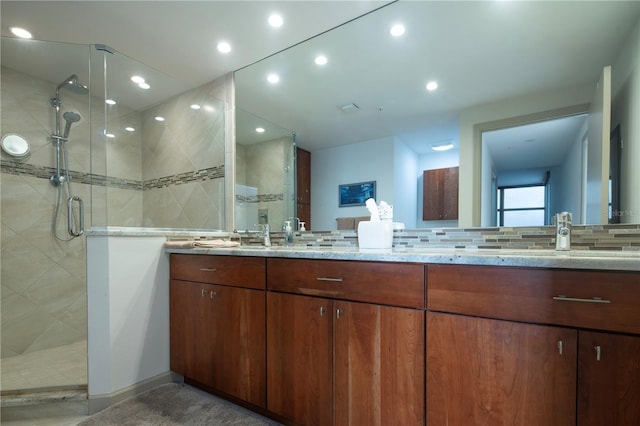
(71,83)
(70,117)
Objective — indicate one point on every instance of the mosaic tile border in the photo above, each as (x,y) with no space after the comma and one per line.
(261,198)
(45,172)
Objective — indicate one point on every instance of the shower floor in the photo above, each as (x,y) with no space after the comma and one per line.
(61,366)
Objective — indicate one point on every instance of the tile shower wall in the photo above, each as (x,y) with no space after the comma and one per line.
(43,279)
(183,160)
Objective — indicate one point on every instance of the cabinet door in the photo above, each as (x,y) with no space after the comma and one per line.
(440,194)
(303,176)
(379,365)
(189,346)
(608,379)
(235,335)
(299,358)
(491,372)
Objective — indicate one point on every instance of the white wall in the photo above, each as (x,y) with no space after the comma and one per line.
(128,313)
(626,112)
(406,175)
(359,162)
(567,195)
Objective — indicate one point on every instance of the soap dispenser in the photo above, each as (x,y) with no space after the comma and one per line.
(288,233)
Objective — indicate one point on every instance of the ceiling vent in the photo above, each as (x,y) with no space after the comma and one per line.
(349,107)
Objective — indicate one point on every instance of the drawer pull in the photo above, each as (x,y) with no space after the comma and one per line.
(564,298)
(208,269)
(333,280)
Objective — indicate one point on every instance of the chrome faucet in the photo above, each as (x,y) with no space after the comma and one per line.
(563,231)
(266,235)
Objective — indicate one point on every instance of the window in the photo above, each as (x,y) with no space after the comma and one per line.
(522,205)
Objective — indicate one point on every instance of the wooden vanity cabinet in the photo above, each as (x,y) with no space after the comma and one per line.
(342,362)
(517,346)
(217,332)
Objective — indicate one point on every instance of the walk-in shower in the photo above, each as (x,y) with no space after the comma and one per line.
(75,217)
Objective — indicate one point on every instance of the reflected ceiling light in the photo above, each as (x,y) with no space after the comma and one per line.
(110,102)
(442,146)
(431,86)
(209,108)
(20,32)
(110,135)
(321,60)
(259,129)
(137,79)
(275,20)
(397,30)
(130,129)
(144,86)
(273,78)
(159,118)
(195,106)
(224,47)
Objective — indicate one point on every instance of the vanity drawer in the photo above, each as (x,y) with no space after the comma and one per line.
(236,271)
(397,284)
(604,300)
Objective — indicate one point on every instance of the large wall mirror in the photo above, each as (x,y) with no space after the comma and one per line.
(365,113)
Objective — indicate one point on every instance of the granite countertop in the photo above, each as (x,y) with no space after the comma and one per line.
(577,259)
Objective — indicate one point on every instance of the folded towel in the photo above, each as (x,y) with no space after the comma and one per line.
(201,244)
(179,244)
(215,243)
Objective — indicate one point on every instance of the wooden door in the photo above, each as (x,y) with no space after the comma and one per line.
(299,358)
(189,310)
(379,365)
(608,379)
(490,372)
(236,335)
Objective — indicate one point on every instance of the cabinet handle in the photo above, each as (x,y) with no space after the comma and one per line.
(208,269)
(213,294)
(202,292)
(322,310)
(334,280)
(338,313)
(560,346)
(564,298)
(598,351)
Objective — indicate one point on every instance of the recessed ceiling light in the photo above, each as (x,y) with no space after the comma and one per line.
(144,86)
(321,60)
(442,146)
(110,135)
(432,85)
(159,118)
(21,32)
(110,102)
(195,106)
(275,20)
(273,78)
(397,30)
(259,129)
(137,79)
(130,129)
(224,47)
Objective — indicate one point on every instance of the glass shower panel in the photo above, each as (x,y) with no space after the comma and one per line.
(43,271)
(163,145)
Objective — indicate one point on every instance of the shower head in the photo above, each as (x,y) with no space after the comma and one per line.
(71,83)
(70,117)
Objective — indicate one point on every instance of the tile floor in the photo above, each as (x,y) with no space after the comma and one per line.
(62,367)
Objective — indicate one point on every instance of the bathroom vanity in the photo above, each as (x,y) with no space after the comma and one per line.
(346,337)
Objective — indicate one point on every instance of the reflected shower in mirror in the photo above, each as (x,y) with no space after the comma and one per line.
(264,174)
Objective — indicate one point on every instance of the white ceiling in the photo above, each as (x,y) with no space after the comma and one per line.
(479,52)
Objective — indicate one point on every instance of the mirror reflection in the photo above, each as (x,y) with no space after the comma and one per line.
(365,112)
